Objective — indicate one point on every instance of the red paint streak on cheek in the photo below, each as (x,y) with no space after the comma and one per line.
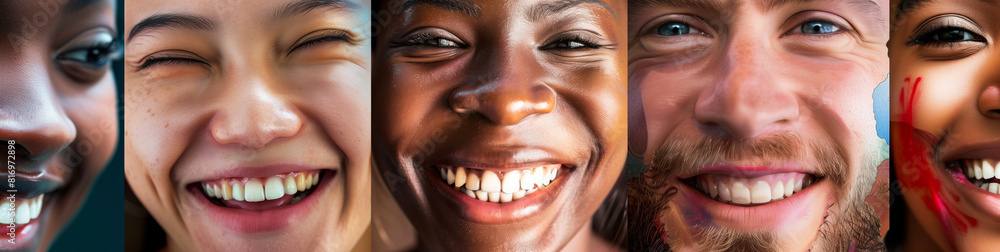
(914,149)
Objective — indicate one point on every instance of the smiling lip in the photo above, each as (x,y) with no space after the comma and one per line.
(502,160)
(274,218)
(34,179)
(956,160)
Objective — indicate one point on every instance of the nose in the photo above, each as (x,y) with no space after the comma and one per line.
(515,93)
(989,102)
(747,102)
(31,113)
(253,116)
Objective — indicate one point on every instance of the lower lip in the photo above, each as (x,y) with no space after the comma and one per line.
(275,219)
(495,213)
(981,200)
(753,217)
(24,233)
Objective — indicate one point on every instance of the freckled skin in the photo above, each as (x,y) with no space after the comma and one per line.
(257,99)
(61,115)
(941,98)
(504,89)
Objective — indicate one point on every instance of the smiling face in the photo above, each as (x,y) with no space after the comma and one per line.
(756,120)
(500,118)
(248,123)
(946,108)
(57,112)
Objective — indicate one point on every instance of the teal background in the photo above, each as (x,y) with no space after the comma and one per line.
(99,225)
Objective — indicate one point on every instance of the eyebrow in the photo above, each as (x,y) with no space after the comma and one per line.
(459,6)
(184,21)
(869,7)
(712,5)
(542,10)
(305,6)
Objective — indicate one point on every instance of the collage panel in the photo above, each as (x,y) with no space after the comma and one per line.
(499,125)
(60,124)
(945,92)
(248,123)
(758,125)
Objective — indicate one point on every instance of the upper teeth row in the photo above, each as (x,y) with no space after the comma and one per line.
(757,191)
(499,186)
(260,189)
(23,212)
(981,169)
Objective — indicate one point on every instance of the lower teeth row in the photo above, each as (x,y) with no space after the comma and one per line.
(260,189)
(990,187)
(499,187)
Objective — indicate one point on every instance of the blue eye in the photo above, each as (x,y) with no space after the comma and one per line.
(673,29)
(819,27)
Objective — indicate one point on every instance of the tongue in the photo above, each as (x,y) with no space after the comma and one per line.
(259,206)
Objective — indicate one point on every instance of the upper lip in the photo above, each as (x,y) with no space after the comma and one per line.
(250,170)
(508,158)
(41,178)
(985,149)
(750,171)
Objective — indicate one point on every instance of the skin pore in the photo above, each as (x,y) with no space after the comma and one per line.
(57,105)
(498,87)
(946,112)
(230,92)
(722,92)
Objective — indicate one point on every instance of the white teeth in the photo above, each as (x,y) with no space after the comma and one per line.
(518,195)
(994,188)
(274,188)
(789,187)
(482,195)
(511,182)
(238,191)
(460,177)
(260,189)
(22,215)
(508,186)
(760,193)
(988,171)
(724,194)
(290,187)
(744,191)
(979,171)
(490,182)
(527,180)
(253,191)
(473,182)
(506,197)
(777,191)
(22,211)
(741,194)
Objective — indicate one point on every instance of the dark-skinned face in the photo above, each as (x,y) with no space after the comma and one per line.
(946,113)
(57,111)
(500,124)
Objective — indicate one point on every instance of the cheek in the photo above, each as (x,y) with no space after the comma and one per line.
(96,121)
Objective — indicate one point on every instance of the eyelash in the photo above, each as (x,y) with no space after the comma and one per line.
(109,50)
(167,60)
(586,44)
(330,36)
(923,40)
(421,39)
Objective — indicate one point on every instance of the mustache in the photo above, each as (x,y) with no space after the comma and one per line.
(680,157)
